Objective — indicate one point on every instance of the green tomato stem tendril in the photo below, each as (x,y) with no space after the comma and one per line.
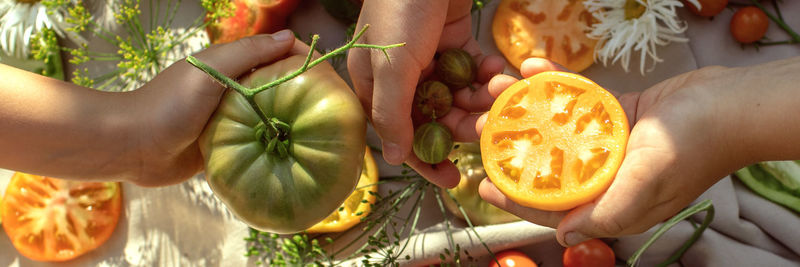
(704,205)
(281,127)
(249,93)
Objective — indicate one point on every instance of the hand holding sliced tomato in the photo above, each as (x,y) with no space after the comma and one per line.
(554,141)
(50,219)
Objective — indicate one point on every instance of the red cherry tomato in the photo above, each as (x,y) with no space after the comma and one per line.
(709,8)
(512,258)
(749,24)
(593,252)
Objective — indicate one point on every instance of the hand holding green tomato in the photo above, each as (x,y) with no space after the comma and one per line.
(284,149)
(148,136)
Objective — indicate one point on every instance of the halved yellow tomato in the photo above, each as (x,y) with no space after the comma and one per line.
(357,205)
(51,219)
(554,141)
(551,29)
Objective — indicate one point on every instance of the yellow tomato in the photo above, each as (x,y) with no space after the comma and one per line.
(357,205)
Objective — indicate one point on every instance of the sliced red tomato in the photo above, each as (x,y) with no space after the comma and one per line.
(554,141)
(51,219)
(555,30)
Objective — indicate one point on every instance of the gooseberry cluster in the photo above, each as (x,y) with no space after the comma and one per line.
(455,69)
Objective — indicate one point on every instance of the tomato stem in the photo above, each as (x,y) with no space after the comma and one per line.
(778,20)
(249,93)
(704,205)
(311,64)
(791,41)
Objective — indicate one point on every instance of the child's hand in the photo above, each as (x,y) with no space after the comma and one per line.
(386,88)
(677,149)
(147,136)
(181,99)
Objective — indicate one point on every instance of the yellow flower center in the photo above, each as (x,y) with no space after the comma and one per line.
(633,9)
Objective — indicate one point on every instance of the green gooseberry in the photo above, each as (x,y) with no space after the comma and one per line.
(456,68)
(432,142)
(433,99)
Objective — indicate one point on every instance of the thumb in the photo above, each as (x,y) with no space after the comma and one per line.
(634,202)
(235,58)
(231,59)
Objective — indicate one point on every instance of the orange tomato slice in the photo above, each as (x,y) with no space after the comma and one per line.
(51,219)
(357,205)
(551,29)
(554,141)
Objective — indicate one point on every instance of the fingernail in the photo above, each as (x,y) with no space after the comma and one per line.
(282,35)
(392,153)
(574,238)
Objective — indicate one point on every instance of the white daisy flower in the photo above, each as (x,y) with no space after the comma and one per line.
(624,26)
(20,20)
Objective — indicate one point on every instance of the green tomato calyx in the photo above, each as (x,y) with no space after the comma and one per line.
(274,137)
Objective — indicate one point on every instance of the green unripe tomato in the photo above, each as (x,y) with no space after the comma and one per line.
(432,142)
(433,99)
(456,68)
(319,161)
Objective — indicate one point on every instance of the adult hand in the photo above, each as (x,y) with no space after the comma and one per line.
(678,147)
(386,87)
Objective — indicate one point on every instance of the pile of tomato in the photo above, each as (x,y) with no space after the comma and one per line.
(593,252)
(748,24)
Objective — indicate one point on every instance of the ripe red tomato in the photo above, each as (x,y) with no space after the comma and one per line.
(709,8)
(593,252)
(749,24)
(512,258)
(251,17)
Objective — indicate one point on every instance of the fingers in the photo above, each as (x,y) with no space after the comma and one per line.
(462,124)
(494,196)
(444,174)
(535,65)
(479,100)
(394,85)
(500,83)
(235,58)
(232,59)
(630,104)
(638,198)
